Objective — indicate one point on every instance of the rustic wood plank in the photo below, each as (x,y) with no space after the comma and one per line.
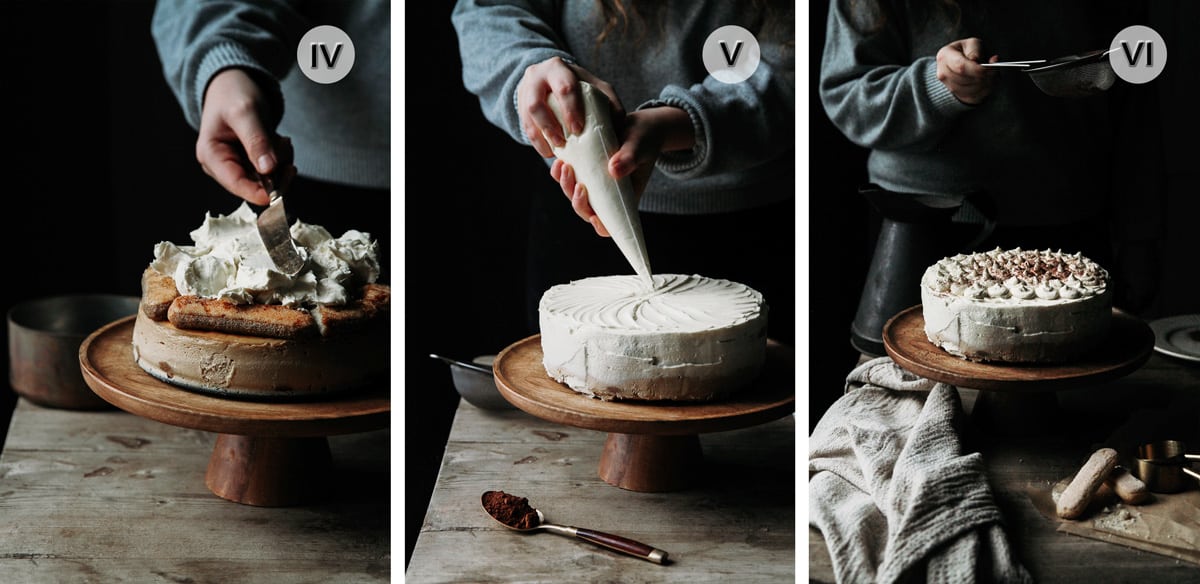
(111,497)
(736,524)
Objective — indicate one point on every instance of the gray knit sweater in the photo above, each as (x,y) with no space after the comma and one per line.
(745,132)
(340,131)
(1043,160)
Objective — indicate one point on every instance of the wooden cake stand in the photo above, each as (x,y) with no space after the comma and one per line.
(266,454)
(1019,389)
(651,446)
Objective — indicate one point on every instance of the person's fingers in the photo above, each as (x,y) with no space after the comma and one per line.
(254,138)
(634,153)
(625,160)
(556,169)
(601,230)
(533,111)
(959,80)
(635,159)
(536,139)
(226,166)
(972,48)
(583,208)
(564,87)
(550,79)
(568,181)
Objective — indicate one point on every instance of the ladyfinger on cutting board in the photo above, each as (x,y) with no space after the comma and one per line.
(1075,498)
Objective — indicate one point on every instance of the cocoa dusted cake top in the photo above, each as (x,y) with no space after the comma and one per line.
(1017,275)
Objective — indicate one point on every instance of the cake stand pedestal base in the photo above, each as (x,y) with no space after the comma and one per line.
(267,471)
(649,463)
(1008,413)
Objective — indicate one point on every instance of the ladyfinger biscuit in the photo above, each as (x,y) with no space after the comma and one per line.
(1128,487)
(158,291)
(1075,498)
(370,309)
(256,320)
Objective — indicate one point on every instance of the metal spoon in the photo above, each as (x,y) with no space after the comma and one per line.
(608,540)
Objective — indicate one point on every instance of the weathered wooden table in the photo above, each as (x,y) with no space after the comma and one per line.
(736,523)
(112,497)
(1029,451)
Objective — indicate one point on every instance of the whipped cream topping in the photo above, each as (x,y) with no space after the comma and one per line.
(1017,275)
(228,260)
(675,303)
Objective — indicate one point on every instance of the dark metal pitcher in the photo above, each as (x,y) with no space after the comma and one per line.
(914,233)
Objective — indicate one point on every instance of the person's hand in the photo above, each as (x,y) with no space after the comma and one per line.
(555,79)
(234,142)
(959,70)
(647,133)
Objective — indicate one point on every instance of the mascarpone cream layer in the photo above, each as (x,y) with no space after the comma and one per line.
(228,260)
(687,338)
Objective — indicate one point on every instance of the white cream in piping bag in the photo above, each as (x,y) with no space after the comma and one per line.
(613,200)
(230,261)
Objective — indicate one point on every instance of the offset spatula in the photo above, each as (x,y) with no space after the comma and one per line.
(276,236)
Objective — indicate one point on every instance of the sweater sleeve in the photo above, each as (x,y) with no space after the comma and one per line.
(196,40)
(497,41)
(873,91)
(738,125)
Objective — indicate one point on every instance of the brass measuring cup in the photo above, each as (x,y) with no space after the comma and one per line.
(1163,465)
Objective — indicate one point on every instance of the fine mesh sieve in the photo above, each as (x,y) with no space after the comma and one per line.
(1074,75)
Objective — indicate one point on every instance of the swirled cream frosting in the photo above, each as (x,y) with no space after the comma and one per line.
(1017,275)
(228,260)
(688,337)
(676,303)
(1016,305)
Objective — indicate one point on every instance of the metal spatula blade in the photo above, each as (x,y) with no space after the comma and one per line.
(276,236)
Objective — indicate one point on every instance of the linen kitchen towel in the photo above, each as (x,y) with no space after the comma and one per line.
(892,491)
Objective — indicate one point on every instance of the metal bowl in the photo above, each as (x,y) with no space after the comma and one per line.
(475,382)
(43,346)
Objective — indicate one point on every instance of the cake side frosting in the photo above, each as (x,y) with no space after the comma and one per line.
(688,338)
(1016,305)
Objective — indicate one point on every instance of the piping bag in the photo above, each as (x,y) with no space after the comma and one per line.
(613,200)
